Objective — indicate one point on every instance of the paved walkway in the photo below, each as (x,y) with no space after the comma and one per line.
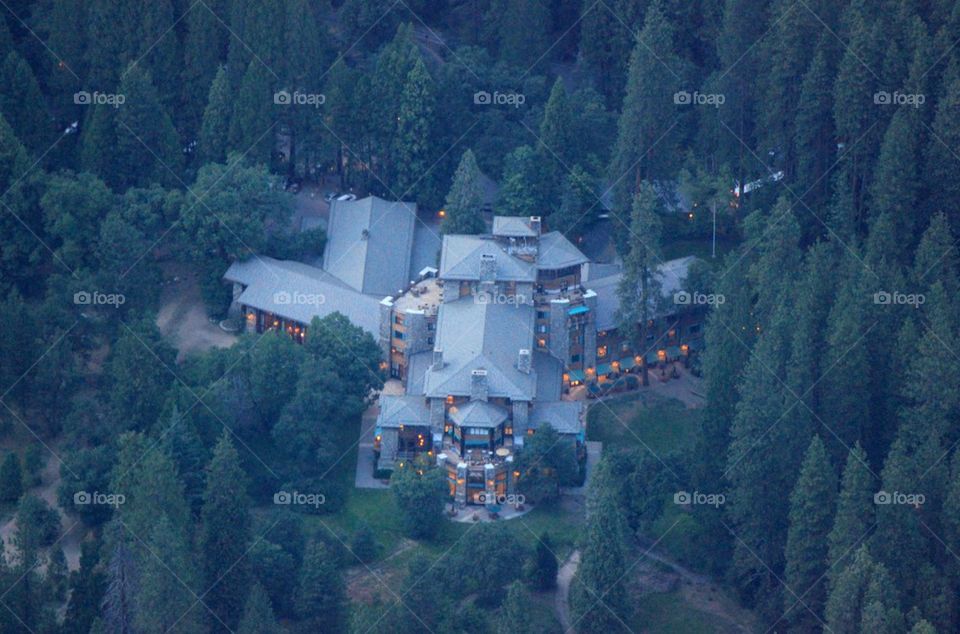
(564,578)
(365,457)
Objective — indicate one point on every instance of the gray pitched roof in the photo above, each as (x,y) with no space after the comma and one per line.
(460,260)
(486,336)
(478,414)
(564,416)
(369,244)
(402,410)
(672,275)
(300,292)
(556,252)
(549,371)
(513,227)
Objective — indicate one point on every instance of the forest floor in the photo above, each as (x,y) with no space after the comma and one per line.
(70,528)
(182,317)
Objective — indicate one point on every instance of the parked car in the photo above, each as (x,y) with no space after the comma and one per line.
(329,196)
(346,197)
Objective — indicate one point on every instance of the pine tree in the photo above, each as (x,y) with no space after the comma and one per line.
(935,260)
(394,65)
(811,511)
(98,142)
(11,479)
(148,147)
(606,39)
(67,24)
(139,375)
(86,591)
(105,54)
(521,183)
(742,26)
(543,565)
(556,145)
(204,46)
(524,35)
(942,174)
(321,598)
(415,153)
(465,199)
(779,257)
(856,116)
(225,534)
(251,126)
(789,50)
(846,396)
(845,604)
(730,334)
(640,286)
(763,462)
(813,135)
(303,72)
(147,478)
(188,453)
(26,108)
(155,47)
(646,139)
(258,614)
(57,573)
(215,126)
(167,583)
(896,182)
(514,616)
(122,580)
(579,206)
(855,515)
(598,597)
(814,296)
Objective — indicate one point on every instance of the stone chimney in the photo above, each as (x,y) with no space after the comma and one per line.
(524,360)
(437,358)
(488,268)
(478,385)
(535,224)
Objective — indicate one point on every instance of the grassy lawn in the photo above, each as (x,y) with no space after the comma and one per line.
(700,248)
(669,613)
(662,424)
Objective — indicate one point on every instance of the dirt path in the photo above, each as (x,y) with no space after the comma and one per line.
(564,579)
(699,592)
(182,317)
(367,582)
(70,529)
